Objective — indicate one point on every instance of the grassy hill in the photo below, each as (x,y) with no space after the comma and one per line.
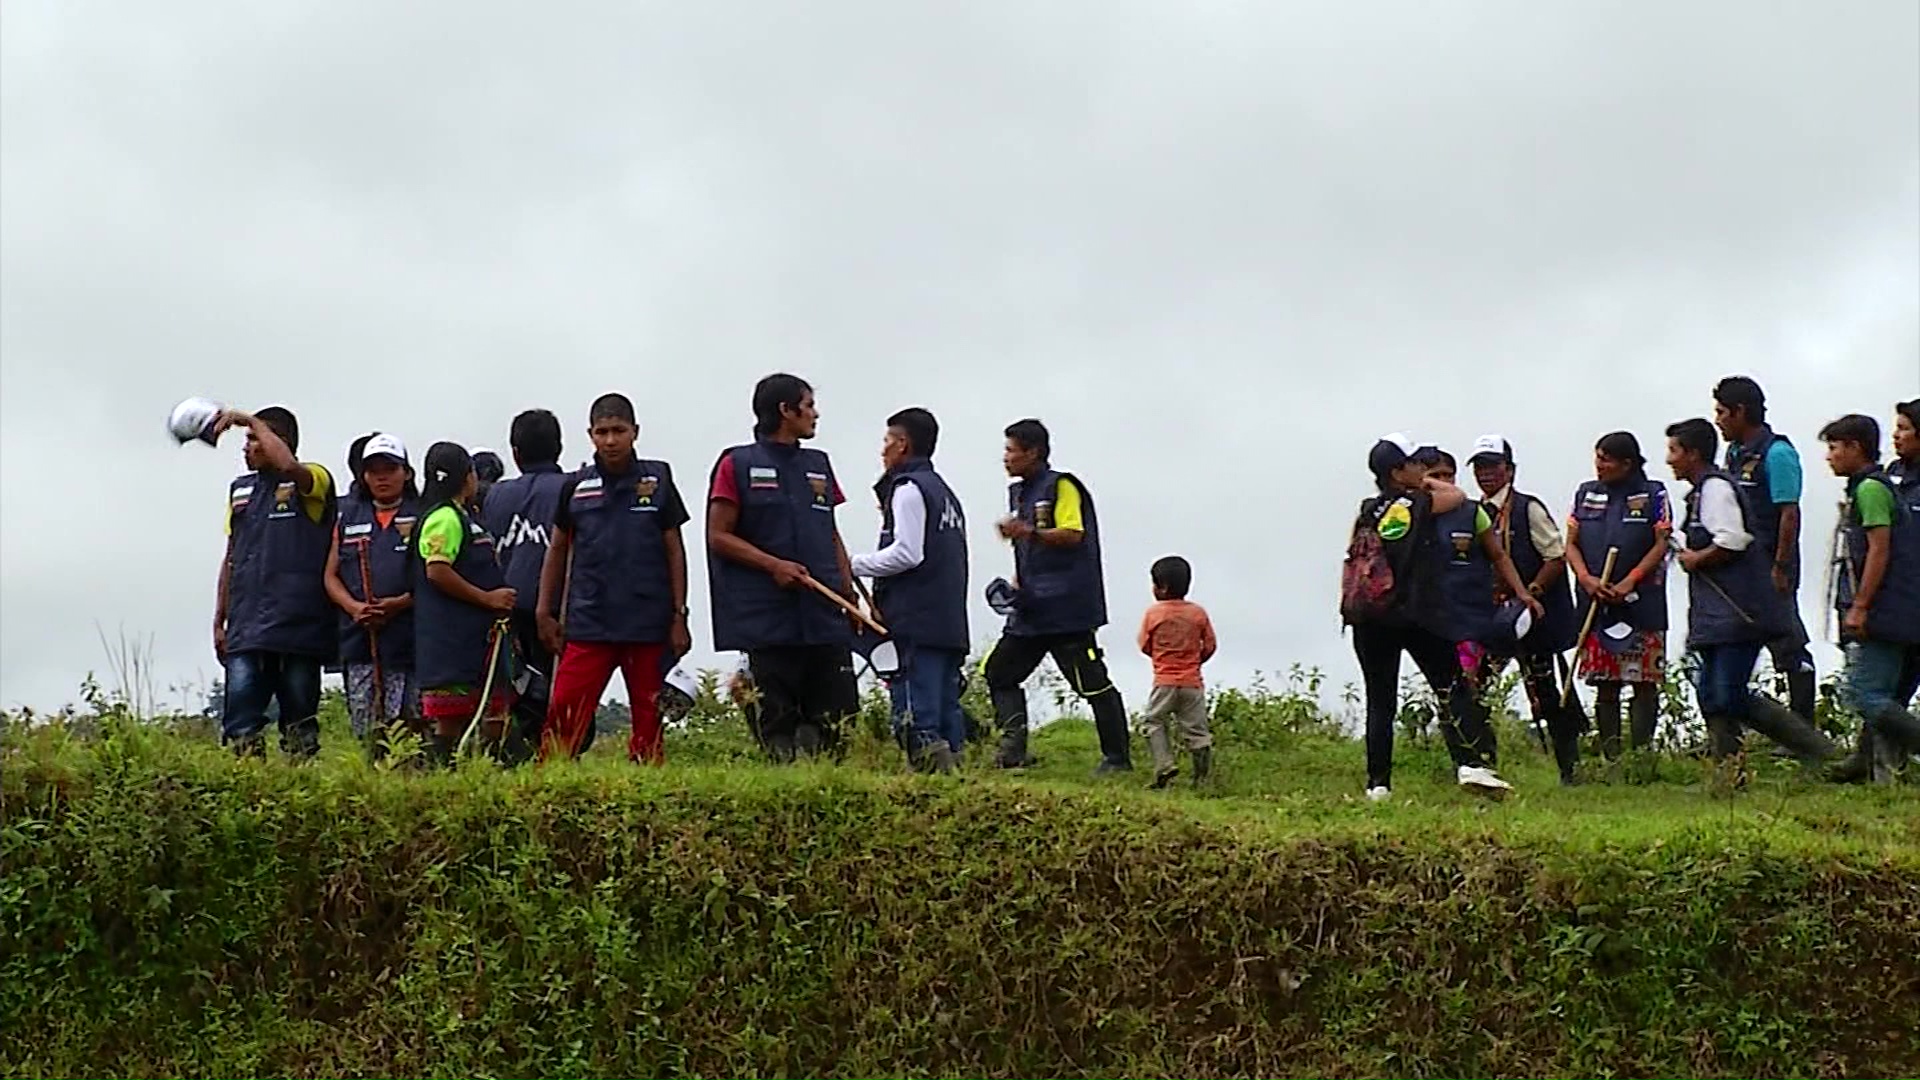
(165,910)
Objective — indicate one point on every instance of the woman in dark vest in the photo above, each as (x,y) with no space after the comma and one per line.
(462,636)
(1414,618)
(1623,512)
(375,525)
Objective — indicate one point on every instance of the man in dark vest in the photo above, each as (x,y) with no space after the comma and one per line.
(1059,600)
(273,625)
(1766,467)
(1733,606)
(770,527)
(1528,532)
(920,591)
(1876,596)
(617,555)
(519,514)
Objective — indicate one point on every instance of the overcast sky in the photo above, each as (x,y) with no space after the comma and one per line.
(1218,247)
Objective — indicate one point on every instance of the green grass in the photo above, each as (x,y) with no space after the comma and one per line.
(167,910)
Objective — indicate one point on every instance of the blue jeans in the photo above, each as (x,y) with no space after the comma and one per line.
(1877,674)
(1721,681)
(926,698)
(255,679)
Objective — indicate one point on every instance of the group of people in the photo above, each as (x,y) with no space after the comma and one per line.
(1468,586)
(467,606)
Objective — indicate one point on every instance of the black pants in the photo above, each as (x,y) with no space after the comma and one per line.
(1564,726)
(1085,667)
(1463,716)
(805,692)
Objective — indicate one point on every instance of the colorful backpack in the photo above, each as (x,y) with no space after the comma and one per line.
(1366,577)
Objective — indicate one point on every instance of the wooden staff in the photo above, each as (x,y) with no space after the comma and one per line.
(852,609)
(1586,628)
(379,719)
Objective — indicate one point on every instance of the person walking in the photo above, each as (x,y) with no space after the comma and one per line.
(1057,602)
(1177,637)
(1733,606)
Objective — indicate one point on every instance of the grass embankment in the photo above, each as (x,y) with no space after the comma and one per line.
(166,910)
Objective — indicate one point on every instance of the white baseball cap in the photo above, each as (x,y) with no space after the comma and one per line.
(1491,446)
(682,680)
(384,445)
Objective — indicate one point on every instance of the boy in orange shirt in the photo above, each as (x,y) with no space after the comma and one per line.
(1178,637)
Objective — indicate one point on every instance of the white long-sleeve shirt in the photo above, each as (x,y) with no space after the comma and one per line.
(1720,514)
(909,537)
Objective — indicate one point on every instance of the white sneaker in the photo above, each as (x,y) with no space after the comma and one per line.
(1476,776)
(1379,794)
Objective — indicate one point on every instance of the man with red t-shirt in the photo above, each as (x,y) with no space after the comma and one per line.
(770,527)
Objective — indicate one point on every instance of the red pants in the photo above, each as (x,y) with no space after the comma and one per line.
(581,677)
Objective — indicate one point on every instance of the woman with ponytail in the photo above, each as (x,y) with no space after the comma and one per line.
(462,656)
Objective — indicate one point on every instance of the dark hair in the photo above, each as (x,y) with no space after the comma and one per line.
(1431,456)
(1862,431)
(920,428)
(488,466)
(1696,435)
(611,407)
(1172,575)
(1383,459)
(283,423)
(535,438)
(1622,446)
(445,467)
(356,460)
(1910,410)
(771,394)
(1740,392)
(1032,434)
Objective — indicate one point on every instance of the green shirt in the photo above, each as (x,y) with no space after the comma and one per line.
(1873,504)
(442,536)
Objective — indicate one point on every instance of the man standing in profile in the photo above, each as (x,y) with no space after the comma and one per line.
(1058,602)
(1766,467)
(920,589)
(770,527)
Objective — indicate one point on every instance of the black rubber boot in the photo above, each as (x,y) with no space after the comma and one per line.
(440,751)
(1202,765)
(1801,694)
(1789,729)
(1723,737)
(934,757)
(1857,767)
(1566,755)
(1606,718)
(1644,717)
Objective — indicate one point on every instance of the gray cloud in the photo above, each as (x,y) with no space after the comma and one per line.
(1218,247)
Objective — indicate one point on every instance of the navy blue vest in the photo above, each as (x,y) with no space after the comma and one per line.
(1746,582)
(786,510)
(450,636)
(276,590)
(1063,590)
(519,515)
(1905,477)
(927,605)
(1747,462)
(1895,614)
(384,551)
(1622,516)
(1558,628)
(1466,576)
(621,590)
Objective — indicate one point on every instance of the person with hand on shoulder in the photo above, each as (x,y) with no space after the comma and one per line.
(1733,607)
(369,580)
(1623,513)
(770,527)
(273,626)
(463,656)
(617,555)
(1876,593)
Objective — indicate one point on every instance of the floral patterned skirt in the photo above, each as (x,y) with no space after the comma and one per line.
(1642,661)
